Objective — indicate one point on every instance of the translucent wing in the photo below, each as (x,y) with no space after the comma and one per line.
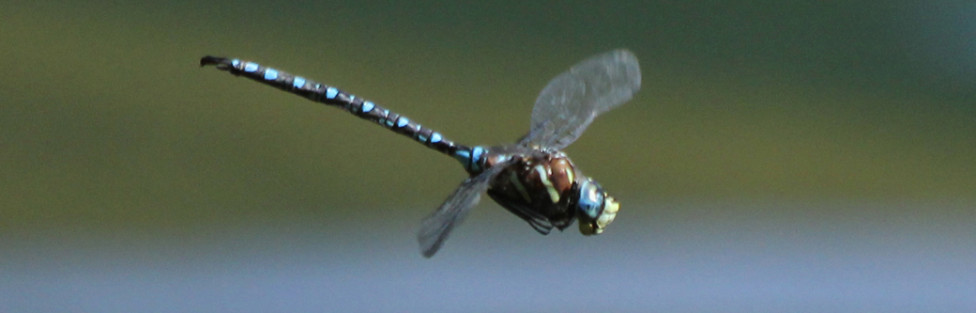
(569,103)
(437,225)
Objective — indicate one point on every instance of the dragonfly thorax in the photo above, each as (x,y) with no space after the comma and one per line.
(546,190)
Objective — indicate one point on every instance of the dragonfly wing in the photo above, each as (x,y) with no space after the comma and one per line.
(571,101)
(436,226)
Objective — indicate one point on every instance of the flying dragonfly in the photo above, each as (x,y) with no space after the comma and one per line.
(532,178)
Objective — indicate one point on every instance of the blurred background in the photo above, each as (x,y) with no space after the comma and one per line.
(793,156)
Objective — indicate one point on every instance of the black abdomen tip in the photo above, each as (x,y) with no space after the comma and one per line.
(212,60)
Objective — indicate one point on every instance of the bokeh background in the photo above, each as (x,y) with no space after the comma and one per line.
(782,156)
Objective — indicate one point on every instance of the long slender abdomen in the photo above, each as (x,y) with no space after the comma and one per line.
(360,107)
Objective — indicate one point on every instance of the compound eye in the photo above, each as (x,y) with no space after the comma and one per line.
(591,199)
(596,209)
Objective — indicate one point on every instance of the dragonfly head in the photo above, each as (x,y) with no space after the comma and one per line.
(595,209)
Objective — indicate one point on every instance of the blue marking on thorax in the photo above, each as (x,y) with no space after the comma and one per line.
(367,106)
(403,121)
(270,74)
(476,154)
(251,67)
(331,93)
(471,159)
(463,156)
(299,82)
(478,151)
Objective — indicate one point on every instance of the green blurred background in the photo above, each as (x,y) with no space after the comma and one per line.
(833,136)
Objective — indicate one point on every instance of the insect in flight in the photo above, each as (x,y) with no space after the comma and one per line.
(532,178)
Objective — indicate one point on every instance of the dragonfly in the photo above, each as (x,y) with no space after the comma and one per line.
(532,178)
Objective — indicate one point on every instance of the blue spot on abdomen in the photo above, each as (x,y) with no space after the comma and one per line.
(270,74)
(251,67)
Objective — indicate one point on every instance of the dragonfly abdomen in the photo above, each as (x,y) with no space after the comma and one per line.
(360,107)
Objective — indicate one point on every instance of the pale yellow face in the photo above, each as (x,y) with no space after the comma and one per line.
(610,209)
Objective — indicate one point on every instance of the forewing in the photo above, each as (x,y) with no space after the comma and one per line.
(571,101)
(436,226)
